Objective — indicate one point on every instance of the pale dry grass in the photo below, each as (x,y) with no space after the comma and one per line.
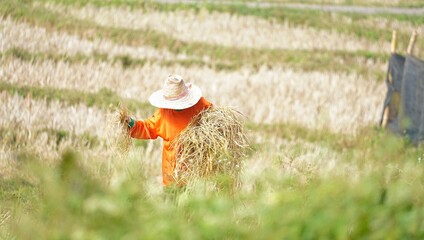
(27,122)
(37,39)
(39,145)
(8,166)
(102,163)
(31,115)
(89,76)
(39,114)
(284,158)
(223,29)
(335,101)
(4,216)
(391,24)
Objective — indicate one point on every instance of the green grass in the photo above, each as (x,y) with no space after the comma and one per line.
(28,56)
(125,60)
(64,201)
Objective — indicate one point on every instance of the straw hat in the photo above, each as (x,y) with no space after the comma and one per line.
(175,94)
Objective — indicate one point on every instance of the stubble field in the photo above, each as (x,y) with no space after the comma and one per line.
(310,84)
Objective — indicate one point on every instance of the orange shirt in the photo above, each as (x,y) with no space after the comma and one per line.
(167,124)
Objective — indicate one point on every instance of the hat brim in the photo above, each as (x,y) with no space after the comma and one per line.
(193,96)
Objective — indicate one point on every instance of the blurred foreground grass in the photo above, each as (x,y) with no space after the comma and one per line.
(65,202)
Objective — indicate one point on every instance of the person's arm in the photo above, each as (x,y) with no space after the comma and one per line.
(144,129)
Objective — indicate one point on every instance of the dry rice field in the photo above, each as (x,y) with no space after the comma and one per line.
(334,101)
(302,122)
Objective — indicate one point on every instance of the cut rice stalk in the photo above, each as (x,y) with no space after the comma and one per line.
(119,139)
(213,144)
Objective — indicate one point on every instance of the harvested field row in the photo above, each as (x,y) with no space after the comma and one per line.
(338,102)
(46,129)
(222,29)
(37,39)
(391,24)
(35,44)
(195,53)
(26,113)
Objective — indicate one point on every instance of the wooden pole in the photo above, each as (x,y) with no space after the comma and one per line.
(412,43)
(390,79)
(387,109)
(394,42)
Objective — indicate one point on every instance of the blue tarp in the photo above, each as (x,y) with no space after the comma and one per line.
(405,97)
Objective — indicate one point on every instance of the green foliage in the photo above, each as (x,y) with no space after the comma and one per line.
(125,60)
(65,202)
(25,55)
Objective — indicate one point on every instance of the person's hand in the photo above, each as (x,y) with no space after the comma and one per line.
(130,122)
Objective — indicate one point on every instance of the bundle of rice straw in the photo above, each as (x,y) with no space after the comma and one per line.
(119,139)
(213,144)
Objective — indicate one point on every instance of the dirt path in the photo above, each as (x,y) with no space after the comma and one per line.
(328,8)
(359,9)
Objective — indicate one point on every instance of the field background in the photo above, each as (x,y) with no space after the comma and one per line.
(310,83)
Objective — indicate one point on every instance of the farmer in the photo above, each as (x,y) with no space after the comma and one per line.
(178,103)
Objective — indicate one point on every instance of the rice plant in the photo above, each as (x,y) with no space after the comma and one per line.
(119,139)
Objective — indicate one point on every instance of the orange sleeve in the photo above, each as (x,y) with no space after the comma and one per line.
(146,129)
